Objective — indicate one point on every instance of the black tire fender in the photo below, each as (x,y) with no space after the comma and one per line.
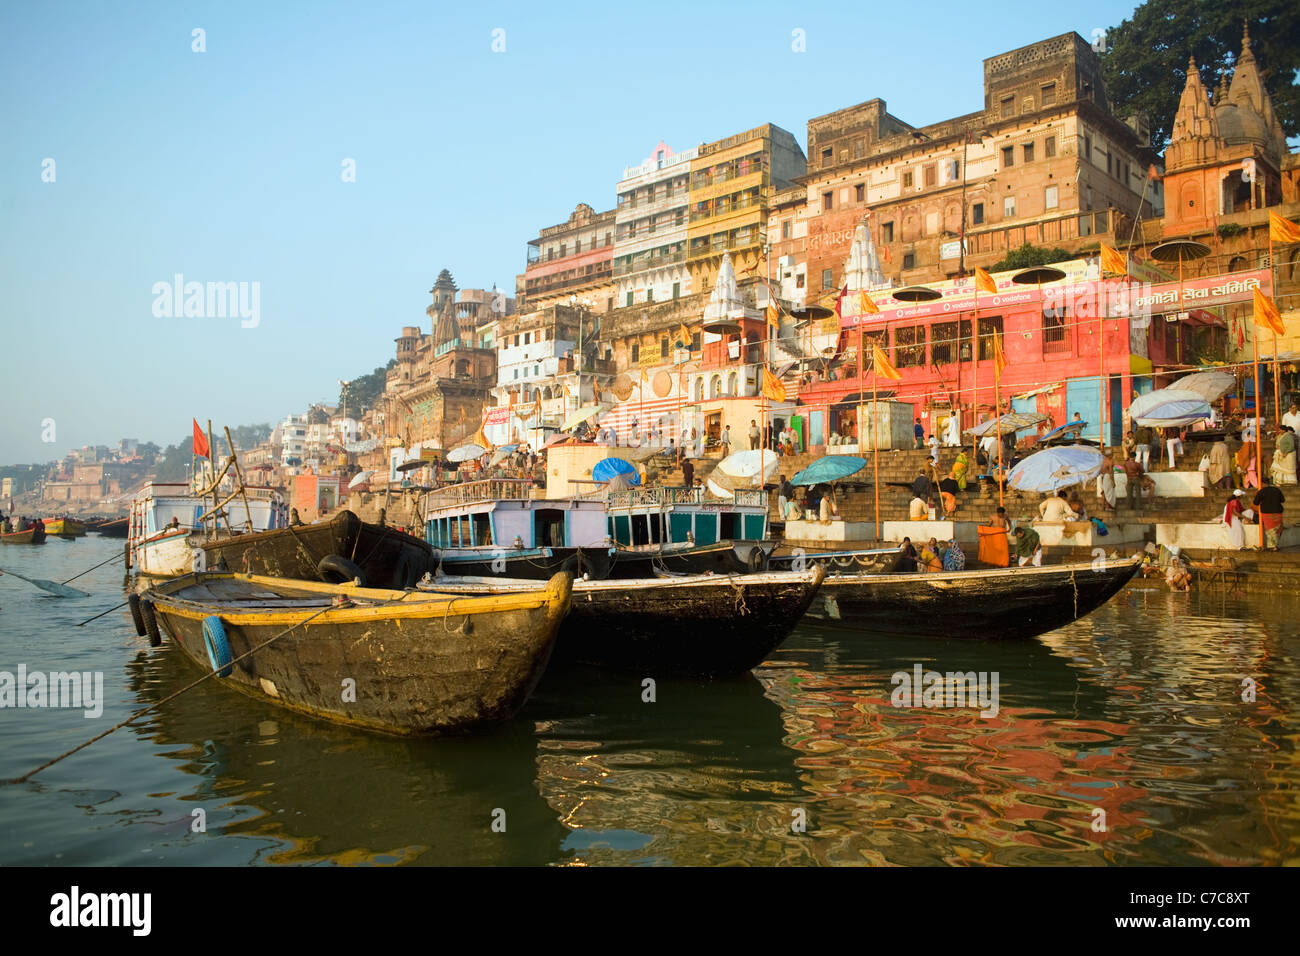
(137,616)
(150,623)
(336,569)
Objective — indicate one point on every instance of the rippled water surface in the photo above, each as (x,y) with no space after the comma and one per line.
(1135,712)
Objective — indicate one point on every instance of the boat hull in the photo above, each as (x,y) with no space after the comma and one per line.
(1002,603)
(388,558)
(531,564)
(701,626)
(114,529)
(416,666)
(166,555)
(875,561)
(22,537)
(725,557)
(64,527)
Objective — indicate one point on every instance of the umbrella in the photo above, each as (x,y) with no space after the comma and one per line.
(500,455)
(411,465)
(830,468)
(1010,422)
(607,468)
(621,482)
(556,439)
(1060,430)
(1169,407)
(581,415)
(1056,468)
(465,452)
(757,465)
(359,479)
(1208,385)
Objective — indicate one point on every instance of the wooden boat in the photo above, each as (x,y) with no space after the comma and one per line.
(869,561)
(704,625)
(401,662)
(157,548)
(32,535)
(988,604)
(337,551)
(116,528)
(64,527)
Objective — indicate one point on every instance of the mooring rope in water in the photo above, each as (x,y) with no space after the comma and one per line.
(116,557)
(102,613)
(140,713)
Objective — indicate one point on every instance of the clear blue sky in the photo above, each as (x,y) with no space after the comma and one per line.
(225,166)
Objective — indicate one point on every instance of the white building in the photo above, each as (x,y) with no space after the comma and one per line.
(650,229)
(293,441)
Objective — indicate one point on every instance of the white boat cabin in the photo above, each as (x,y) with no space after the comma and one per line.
(502,513)
(642,516)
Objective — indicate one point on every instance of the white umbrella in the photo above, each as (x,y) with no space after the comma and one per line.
(581,415)
(1208,385)
(361,478)
(758,465)
(465,452)
(1010,422)
(1169,408)
(1055,468)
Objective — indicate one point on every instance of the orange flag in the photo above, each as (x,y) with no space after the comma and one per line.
(999,357)
(881,365)
(866,305)
(1152,174)
(773,316)
(772,386)
(1266,314)
(984,282)
(685,333)
(1113,261)
(201,442)
(1282,230)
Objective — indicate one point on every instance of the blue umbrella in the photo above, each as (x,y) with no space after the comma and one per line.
(607,468)
(830,468)
(1055,468)
(1061,429)
(1169,407)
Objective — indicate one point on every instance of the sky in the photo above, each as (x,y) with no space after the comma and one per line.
(128,157)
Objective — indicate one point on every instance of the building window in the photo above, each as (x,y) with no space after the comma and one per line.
(577,246)
(650,294)
(859,147)
(516,341)
(563,247)
(943,343)
(1049,94)
(1054,339)
(828,156)
(1029,152)
(860,193)
(629,298)
(1049,147)
(987,328)
(1050,198)
(785,229)
(663,348)
(909,260)
(1087,147)
(636,353)
(733,382)
(1008,157)
(931,174)
(909,346)
(907,180)
(528,338)
(977,214)
(828,201)
(954,169)
(677,289)
(1009,207)
(516,373)
(1008,105)
(887,232)
(828,279)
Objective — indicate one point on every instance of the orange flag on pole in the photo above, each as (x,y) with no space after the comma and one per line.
(984,282)
(772,387)
(1266,314)
(1113,261)
(881,365)
(773,316)
(866,305)
(1282,230)
(999,357)
(201,442)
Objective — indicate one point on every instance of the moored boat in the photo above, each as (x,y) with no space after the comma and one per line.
(338,550)
(867,561)
(115,528)
(165,527)
(986,604)
(703,625)
(64,528)
(400,662)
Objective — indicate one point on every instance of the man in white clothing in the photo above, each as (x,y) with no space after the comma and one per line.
(1292,418)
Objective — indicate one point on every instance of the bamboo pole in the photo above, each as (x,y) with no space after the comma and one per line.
(212,450)
(1277,365)
(875,442)
(239,476)
(997,414)
(1259,469)
(975,364)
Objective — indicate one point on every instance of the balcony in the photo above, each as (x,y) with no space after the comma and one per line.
(721,208)
(643,263)
(549,284)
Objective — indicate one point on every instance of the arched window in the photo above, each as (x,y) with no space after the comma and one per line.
(715,386)
(636,353)
(699,389)
(732,380)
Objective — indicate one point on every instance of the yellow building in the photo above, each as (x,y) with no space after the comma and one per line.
(732,182)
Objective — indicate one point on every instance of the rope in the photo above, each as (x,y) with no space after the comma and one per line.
(739,605)
(140,713)
(115,557)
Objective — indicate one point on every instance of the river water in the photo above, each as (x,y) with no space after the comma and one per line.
(1121,739)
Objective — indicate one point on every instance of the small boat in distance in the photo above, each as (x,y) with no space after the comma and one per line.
(984,604)
(702,625)
(64,528)
(399,662)
(114,528)
(33,535)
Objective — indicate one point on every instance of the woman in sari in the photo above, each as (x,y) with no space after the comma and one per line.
(1106,483)
(1245,461)
(1232,514)
(931,558)
(954,559)
(959,469)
